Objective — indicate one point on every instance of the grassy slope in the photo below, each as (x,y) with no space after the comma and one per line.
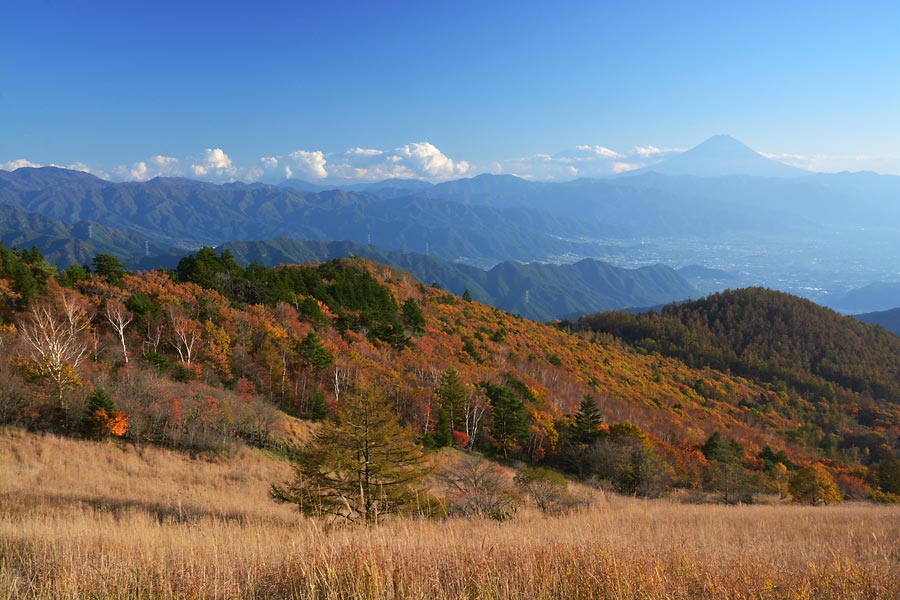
(82,519)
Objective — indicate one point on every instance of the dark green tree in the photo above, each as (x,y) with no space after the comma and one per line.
(626,458)
(727,474)
(412,316)
(359,467)
(771,458)
(509,419)
(220,273)
(110,268)
(314,353)
(72,275)
(443,432)
(318,408)
(309,308)
(452,398)
(888,474)
(100,400)
(722,449)
(586,425)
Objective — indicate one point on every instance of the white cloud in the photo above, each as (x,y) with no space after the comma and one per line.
(166,166)
(425,159)
(584,160)
(215,163)
(155,166)
(621,167)
(416,160)
(17,164)
(421,160)
(646,151)
(139,171)
(655,153)
(599,151)
(307,164)
(79,166)
(363,152)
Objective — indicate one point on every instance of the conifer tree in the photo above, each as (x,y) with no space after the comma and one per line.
(586,426)
(509,419)
(359,467)
(452,399)
(413,317)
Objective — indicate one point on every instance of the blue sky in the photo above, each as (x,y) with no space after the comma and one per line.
(437,90)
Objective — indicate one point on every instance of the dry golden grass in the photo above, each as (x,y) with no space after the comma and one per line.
(85,520)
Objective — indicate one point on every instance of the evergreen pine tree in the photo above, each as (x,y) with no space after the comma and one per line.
(586,426)
(359,467)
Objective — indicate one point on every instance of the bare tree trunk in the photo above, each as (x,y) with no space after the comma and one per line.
(119,317)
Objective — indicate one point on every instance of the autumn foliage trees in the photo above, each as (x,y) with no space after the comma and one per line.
(215,354)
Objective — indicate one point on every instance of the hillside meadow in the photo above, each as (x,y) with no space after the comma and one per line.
(83,519)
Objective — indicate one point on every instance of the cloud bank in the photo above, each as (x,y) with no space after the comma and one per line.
(417,160)
(424,160)
(155,166)
(584,160)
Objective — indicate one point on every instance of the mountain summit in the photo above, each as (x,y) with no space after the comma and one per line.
(723,155)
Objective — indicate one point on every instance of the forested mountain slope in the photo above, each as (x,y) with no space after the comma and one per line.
(840,367)
(223,353)
(536,291)
(66,244)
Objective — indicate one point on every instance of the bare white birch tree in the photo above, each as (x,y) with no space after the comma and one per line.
(119,318)
(54,332)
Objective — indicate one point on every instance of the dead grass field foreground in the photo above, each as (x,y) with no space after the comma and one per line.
(86,520)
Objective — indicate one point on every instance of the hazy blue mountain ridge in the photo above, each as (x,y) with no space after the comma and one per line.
(535,290)
(189,214)
(889,319)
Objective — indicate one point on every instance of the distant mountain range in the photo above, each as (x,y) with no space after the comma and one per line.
(878,296)
(719,156)
(705,273)
(889,319)
(720,187)
(720,190)
(187,214)
(535,291)
(64,244)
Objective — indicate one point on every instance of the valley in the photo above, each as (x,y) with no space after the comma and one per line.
(822,269)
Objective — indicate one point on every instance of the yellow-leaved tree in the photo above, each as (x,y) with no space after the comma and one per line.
(813,484)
